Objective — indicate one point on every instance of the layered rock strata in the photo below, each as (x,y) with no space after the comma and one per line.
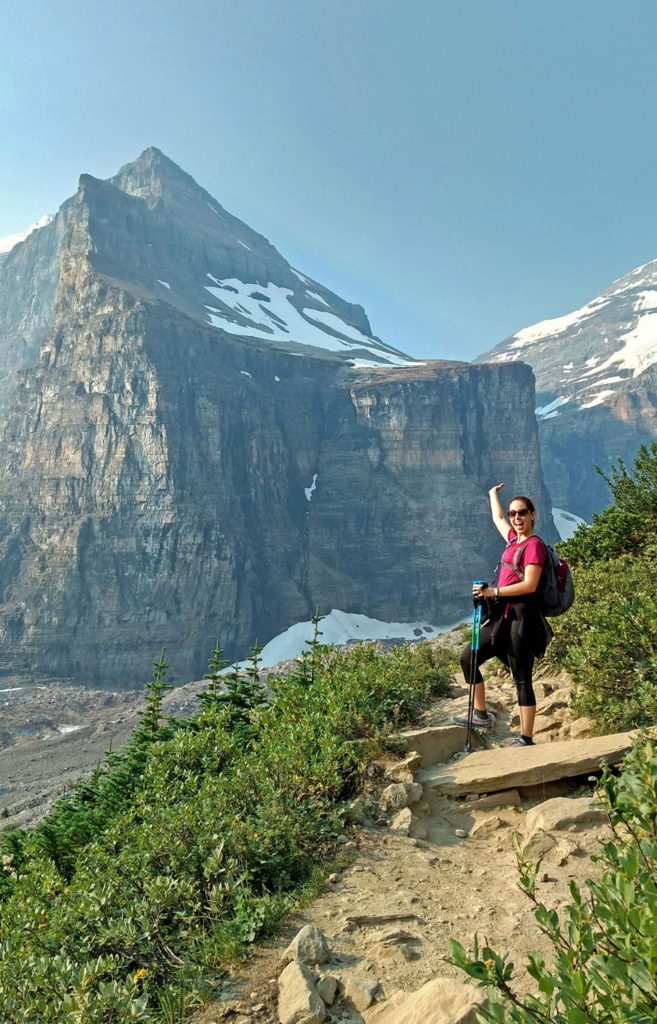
(166,483)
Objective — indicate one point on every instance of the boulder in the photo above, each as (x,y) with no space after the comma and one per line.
(309,946)
(361,992)
(402,771)
(582,727)
(400,794)
(562,812)
(538,844)
(298,999)
(441,1001)
(402,822)
(486,828)
(326,988)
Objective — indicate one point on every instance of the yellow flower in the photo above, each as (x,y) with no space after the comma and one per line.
(141,973)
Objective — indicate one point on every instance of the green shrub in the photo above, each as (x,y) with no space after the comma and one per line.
(228,816)
(604,964)
(608,643)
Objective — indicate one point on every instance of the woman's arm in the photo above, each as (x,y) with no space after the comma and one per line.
(497,512)
(528,586)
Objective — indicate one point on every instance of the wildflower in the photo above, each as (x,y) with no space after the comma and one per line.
(141,973)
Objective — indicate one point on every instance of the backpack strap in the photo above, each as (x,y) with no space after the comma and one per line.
(517,555)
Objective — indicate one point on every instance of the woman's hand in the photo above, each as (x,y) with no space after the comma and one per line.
(479,592)
(494,490)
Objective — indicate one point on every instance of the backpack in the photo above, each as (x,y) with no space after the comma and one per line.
(556,591)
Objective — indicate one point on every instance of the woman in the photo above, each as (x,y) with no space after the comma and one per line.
(515,630)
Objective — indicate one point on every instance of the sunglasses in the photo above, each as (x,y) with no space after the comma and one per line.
(518,512)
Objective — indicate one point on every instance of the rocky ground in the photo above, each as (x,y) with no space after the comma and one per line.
(388,917)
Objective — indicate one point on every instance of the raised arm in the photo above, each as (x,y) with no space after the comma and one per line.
(497,512)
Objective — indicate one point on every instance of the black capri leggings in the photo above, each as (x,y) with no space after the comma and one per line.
(512,650)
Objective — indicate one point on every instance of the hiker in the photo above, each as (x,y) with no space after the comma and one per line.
(513,630)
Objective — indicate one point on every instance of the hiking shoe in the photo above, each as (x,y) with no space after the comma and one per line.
(520,741)
(476,721)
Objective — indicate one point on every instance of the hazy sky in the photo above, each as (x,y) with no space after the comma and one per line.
(462,168)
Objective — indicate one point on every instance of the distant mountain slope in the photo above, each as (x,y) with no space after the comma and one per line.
(596,376)
(190,449)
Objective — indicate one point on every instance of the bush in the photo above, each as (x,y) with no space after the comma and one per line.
(228,816)
(604,964)
(608,644)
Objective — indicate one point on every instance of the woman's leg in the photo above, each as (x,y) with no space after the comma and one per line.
(485,653)
(521,662)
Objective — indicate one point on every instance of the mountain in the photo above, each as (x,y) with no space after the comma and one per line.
(596,382)
(171,474)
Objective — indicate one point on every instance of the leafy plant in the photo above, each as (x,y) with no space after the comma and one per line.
(210,832)
(604,962)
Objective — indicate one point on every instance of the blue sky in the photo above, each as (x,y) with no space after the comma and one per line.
(462,168)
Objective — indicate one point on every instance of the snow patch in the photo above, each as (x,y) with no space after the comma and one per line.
(566,522)
(557,325)
(280,320)
(244,245)
(338,628)
(277,378)
(309,491)
(165,283)
(598,399)
(314,295)
(246,373)
(545,412)
(306,280)
(8,243)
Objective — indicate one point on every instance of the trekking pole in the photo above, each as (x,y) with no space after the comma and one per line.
(474,651)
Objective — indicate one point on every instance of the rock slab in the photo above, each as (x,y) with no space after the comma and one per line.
(487,771)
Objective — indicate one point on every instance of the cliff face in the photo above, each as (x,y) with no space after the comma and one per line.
(163,482)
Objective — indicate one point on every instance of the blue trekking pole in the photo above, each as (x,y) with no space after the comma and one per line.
(474,651)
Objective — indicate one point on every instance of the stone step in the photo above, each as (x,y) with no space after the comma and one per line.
(487,771)
(436,743)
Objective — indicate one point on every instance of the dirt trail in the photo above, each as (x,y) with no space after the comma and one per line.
(441,886)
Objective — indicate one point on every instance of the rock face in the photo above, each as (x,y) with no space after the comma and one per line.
(171,475)
(596,382)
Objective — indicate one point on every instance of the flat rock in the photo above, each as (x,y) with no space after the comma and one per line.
(435,743)
(562,812)
(487,771)
(441,1001)
(504,798)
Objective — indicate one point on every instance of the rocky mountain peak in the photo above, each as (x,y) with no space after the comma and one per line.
(153,176)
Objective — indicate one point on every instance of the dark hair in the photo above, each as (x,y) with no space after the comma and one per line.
(528,501)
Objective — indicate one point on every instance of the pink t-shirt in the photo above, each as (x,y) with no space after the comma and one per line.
(533,553)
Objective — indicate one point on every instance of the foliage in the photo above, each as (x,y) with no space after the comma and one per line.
(629,522)
(604,963)
(217,827)
(607,643)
